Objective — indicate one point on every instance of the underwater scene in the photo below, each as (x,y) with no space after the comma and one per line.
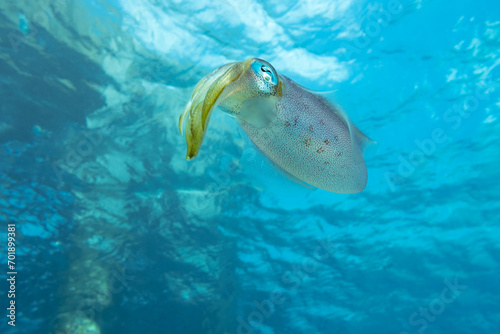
(245,167)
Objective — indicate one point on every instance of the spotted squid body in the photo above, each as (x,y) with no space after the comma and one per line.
(301,131)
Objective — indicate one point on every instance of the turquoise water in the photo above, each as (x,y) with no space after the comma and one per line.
(117,233)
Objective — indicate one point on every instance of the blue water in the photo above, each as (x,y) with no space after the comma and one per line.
(117,233)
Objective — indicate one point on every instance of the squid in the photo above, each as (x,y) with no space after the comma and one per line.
(302,132)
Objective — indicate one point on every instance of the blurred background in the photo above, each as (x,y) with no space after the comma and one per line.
(117,233)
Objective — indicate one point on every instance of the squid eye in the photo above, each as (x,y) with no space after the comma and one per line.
(265,72)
